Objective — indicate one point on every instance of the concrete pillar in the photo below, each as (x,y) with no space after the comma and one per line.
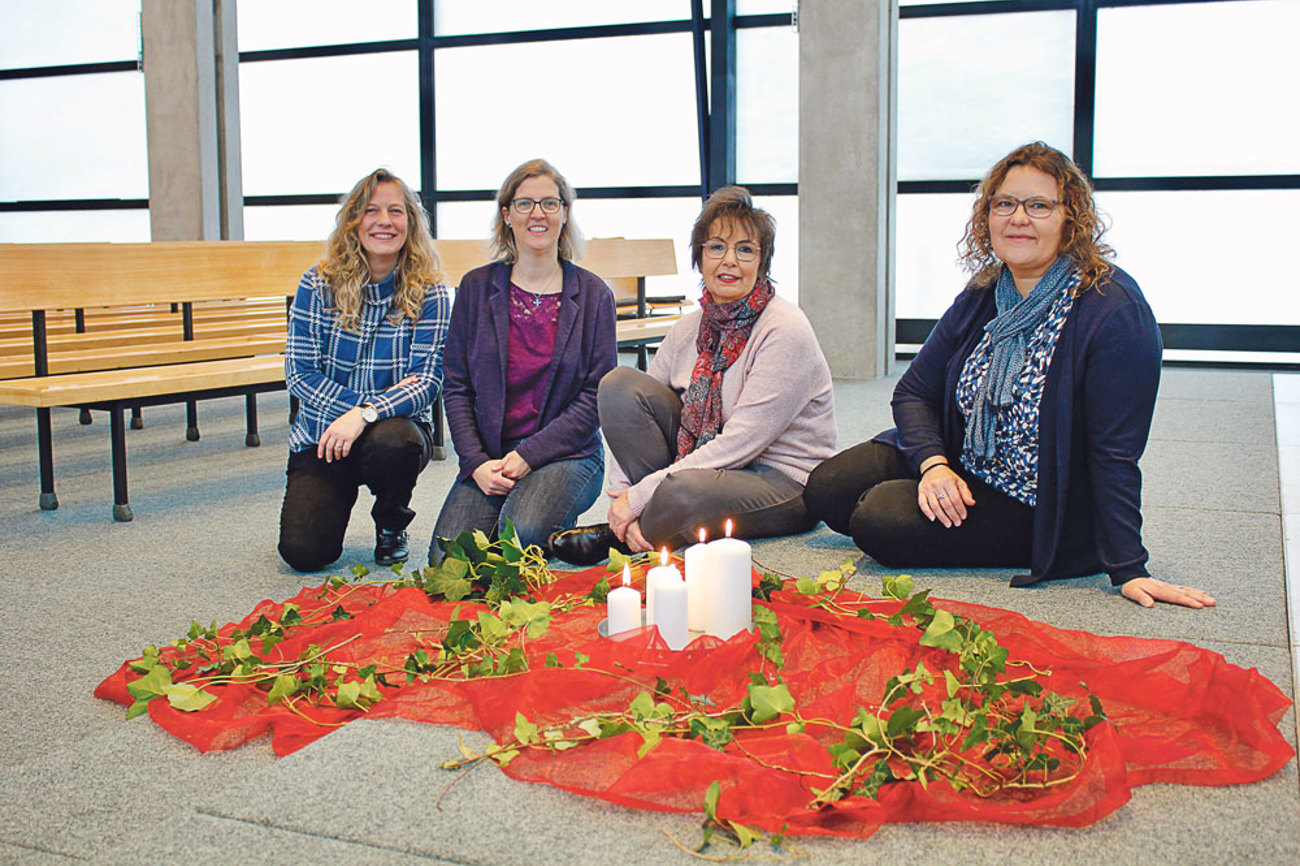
(192,118)
(847,177)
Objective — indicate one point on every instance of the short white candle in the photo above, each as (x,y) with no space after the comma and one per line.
(661,572)
(670,610)
(697,575)
(731,599)
(623,606)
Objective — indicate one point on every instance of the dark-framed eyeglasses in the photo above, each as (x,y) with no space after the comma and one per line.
(1035,207)
(524,206)
(746,251)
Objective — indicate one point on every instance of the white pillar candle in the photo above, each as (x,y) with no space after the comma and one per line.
(623,606)
(697,572)
(731,600)
(663,571)
(670,610)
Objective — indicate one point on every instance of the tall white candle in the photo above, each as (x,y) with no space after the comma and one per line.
(670,610)
(697,571)
(661,572)
(730,567)
(623,606)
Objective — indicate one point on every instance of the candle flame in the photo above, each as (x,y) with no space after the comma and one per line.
(703,535)
(728,527)
(663,556)
(627,575)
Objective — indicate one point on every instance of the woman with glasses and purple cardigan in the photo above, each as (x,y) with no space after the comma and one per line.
(733,413)
(531,336)
(1021,420)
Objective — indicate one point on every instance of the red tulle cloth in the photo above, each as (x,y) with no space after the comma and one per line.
(1177,713)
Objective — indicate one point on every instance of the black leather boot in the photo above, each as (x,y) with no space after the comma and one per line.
(390,546)
(584,545)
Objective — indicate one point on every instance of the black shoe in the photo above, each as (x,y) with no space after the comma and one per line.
(390,546)
(584,545)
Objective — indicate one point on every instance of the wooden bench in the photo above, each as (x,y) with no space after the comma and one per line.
(129,349)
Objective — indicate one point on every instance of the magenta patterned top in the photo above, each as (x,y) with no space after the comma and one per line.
(529,349)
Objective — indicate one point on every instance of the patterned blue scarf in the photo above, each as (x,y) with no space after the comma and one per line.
(1008,334)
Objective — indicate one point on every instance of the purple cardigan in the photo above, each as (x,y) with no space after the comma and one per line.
(1095,417)
(475,364)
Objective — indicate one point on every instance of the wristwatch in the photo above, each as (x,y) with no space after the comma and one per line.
(369,413)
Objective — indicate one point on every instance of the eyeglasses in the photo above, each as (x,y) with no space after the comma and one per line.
(1036,208)
(746,251)
(524,206)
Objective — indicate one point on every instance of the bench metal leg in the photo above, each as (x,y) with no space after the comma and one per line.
(137,419)
(121,507)
(84,418)
(192,420)
(439,435)
(642,358)
(45,450)
(251,439)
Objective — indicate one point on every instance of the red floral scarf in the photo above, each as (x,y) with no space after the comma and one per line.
(724,331)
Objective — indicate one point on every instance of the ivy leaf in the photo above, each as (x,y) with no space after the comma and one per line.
(768,702)
(617,559)
(711,800)
(942,633)
(525,731)
(348,696)
(903,721)
(650,738)
(900,586)
(358,570)
(553,661)
(285,686)
(290,616)
(151,685)
(744,836)
(953,685)
(600,592)
(338,615)
(139,707)
(714,733)
(188,698)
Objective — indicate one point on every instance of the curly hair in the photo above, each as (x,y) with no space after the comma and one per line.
(345,267)
(502,243)
(1080,235)
(734,204)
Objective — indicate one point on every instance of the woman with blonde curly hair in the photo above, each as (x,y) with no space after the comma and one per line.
(1022,418)
(364,359)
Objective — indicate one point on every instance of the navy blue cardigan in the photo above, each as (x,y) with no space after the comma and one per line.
(474,359)
(1094,420)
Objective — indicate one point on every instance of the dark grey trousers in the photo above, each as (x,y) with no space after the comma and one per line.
(639,416)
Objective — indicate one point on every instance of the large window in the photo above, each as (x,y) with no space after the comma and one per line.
(453,95)
(1177,111)
(73,160)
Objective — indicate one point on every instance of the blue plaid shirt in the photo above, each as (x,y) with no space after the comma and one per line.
(331,370)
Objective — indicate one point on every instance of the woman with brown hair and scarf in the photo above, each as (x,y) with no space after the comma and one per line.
(734,412)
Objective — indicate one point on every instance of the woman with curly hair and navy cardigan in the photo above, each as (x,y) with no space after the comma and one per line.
(1022,418)
(531,336)
(364,359)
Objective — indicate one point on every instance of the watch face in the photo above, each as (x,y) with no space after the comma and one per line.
(370,414)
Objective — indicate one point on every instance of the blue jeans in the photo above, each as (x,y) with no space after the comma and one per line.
(545,500)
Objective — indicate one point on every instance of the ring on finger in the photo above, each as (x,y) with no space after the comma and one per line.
(942,496)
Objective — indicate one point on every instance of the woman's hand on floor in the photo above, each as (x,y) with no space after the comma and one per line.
(1146,591)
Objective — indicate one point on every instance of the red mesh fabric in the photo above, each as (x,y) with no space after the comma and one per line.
(1178,713)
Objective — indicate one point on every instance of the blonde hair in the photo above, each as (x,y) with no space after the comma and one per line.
(345,267)
(502,243)
(1080,235)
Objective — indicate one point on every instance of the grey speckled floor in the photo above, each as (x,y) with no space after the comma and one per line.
(82,593)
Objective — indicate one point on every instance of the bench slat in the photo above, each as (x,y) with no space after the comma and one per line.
(81,388)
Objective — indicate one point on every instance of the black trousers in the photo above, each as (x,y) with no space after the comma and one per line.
(387,457)
(870,493)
